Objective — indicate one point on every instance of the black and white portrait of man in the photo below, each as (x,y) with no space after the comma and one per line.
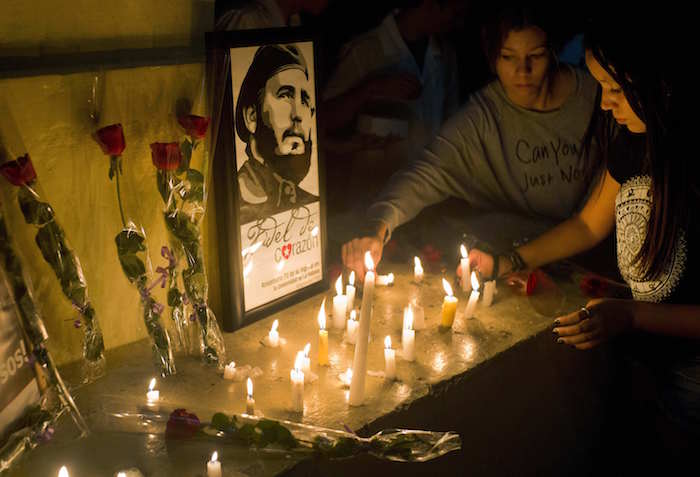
(275,120)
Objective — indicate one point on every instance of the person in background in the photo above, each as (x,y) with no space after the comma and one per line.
(648,194)
(253,14)
(515,149)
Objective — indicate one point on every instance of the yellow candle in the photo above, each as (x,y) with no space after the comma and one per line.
(449,306)
(322,336)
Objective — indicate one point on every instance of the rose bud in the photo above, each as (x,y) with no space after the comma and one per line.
(111,139)
(166,156)
(19,172)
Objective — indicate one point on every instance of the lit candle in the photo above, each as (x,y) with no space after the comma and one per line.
(464,266)
(352,327)
(359,362)
(489,291)
(63,472)
(230,370)
(408,336)
(389,359)
(297,377)
(306,364)
(346,377)
(350,290)
(273,337)
(322,336)
(418,315)
(471,304)
(417,270)
(340,305)
(214,466)
(250,402)
(153,395)
(449,306)
(385,280)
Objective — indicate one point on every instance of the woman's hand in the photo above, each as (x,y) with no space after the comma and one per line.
(481,261)
(598,321)
(354,254)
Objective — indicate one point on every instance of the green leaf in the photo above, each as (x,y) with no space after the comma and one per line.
(129,241)
(174,297)
(186,150)
(220,421)
(275,433)
(133,266)
(196,179)
(34,211)
(49,239)
(195,285)
(181,227)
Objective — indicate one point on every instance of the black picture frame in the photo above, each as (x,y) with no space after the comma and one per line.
(239,189)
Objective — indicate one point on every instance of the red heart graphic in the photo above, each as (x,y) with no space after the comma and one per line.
(287,250)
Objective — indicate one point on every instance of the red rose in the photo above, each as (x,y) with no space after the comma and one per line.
(19,172)
(431,254)
(181,425)
(166,156)
(111,139)
(195,126)
(531,283)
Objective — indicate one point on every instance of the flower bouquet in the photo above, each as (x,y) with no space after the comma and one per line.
(36,423)
(54,247)
(132,253)
(182,188)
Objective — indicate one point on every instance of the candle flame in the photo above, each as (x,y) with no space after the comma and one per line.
(369,263)
(447,287)
(475,282)
(249,385)
(152,385)
(339,285)
(232,364)
(387,342)
(463,251)
(63,472)
(307,348)
(314,231)
(390,279)
(299,361)
(322,315)
(214,456)
(353,315)
(121,474)
(416,262)
(346,377)
(351,279)
(275,325)
(408,318)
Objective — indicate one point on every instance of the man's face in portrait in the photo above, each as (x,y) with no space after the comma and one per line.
(283,131)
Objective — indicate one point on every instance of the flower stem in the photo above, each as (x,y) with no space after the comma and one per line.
(119,196)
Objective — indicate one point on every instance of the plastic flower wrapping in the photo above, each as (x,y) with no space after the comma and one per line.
(181,184)
(34,395)
(133,253)
(56,251)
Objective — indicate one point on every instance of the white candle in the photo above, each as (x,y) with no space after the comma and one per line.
(489,291)
(153,395)
(408,336)
(449,306)
(273,337)
(359,362)
(352,327)
(350,290)
(214,466)
(471,305)
(230,370)
(306,364)
(250,402)
(418,315)
(297,378)
(322,336)
(389,359)
(63,472)
(464,266)
(417,270)
(340,305)
(385,280)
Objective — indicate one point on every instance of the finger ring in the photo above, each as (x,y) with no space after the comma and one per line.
(586,312)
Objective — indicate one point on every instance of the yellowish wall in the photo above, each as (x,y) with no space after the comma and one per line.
(49,117)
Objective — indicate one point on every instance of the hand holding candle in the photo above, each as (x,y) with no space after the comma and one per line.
(473,298)
(464,267)
(350,290)
(408,336)
(214,466)
(417,270)
(322,336)
(340,305)
(449,306)
(297,378)
(249,402)
(389,359)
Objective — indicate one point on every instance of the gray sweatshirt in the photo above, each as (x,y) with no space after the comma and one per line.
(499,157)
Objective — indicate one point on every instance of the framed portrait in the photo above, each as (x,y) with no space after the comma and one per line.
(269,188)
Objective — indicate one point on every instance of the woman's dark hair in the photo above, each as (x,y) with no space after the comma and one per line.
(632,51)
(503,20)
